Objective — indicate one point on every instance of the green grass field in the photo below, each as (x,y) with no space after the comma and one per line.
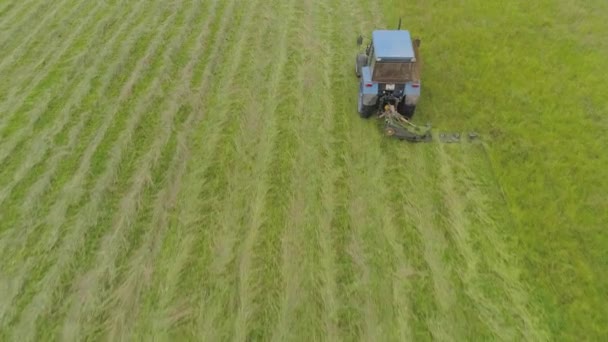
(197,170)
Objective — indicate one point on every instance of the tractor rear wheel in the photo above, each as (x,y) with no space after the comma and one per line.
(406,110)
(365,111)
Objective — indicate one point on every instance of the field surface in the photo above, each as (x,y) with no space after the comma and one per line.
(197,170)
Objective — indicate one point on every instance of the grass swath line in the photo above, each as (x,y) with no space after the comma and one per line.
(143,260)
(68,247)
(67,106)
(28,221)
(15,17)
(200,82)
(38,36)
(24,120)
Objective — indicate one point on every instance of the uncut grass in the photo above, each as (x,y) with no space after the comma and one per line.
(524,72)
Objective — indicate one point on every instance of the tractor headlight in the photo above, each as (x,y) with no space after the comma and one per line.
(390,87)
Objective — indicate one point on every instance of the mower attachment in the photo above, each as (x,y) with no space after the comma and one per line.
(399,127)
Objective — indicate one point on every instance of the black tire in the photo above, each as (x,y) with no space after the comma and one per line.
(365,111)
(360,63)
(405,110)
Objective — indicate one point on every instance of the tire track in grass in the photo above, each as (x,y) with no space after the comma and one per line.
(490,267)
(365,251)
(70,244)
(38,35)
(25,121)
(10,244)
(117,245)
(21,99)
(85,68)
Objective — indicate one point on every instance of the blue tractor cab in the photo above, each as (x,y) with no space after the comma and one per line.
(389,73)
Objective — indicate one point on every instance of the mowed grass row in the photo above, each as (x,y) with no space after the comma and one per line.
(71,249)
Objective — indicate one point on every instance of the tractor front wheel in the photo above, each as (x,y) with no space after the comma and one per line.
(360,63)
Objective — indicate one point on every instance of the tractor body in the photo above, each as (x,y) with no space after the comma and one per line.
(389,73)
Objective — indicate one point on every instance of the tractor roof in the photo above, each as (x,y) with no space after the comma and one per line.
(393,44)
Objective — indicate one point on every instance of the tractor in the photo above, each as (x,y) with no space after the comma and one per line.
(389,82)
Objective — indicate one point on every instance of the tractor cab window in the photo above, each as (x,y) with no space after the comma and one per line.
(372,56)
(392,72)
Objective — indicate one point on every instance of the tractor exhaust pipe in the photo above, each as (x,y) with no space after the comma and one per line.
(399,27)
